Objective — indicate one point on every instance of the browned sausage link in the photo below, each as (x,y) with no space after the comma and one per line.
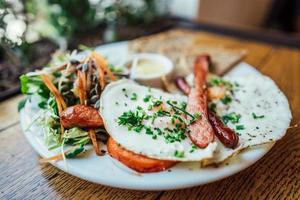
(81,116)
(226,135)
(182,85)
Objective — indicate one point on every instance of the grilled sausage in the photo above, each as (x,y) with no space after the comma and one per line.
(81,116)
(200,132)
(182,85)
(225,134)
(135,161)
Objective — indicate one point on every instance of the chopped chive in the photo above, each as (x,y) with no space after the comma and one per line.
(182,110)
(226,100)
(179,154)
(197,115)
(239,127)
(257,116)
(133,97)
(147,98)
(194,147)
(233,117)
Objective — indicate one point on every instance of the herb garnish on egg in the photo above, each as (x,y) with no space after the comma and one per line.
(133,97)
(240,127)
(226,100)
(179,154)
(233,117)
(147,98)
(135,120)
(257,116)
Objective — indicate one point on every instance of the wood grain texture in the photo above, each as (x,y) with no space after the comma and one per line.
(9,111)
(275,176)
(23,177)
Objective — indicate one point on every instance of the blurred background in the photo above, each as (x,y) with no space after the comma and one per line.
(31,30)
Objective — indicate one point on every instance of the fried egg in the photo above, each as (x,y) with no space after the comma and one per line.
(260,112)
(141,119)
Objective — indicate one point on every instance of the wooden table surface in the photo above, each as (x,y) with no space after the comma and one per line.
(275,176)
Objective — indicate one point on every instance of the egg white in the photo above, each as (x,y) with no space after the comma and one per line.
(114,103)
(255,94)
(259,95)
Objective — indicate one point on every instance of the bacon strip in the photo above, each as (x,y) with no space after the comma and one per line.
(200,132)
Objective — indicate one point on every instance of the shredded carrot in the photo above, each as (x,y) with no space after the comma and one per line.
(101,75)
(92,135)
(61,104)
(82,86)
(60,109)
(54,91)
(103,64)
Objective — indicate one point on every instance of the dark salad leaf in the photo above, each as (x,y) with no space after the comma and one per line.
(34,85)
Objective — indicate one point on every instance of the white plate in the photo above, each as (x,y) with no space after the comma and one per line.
(106,171)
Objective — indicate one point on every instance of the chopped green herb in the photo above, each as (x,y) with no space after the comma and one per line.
(239,127)
(150,107)
(233,117)
(147,98)
(226,100)
(75,151)
(132,119)
(159,132)
(148,131)
(194,147)
(220,82)
(133,97)
(197,115)
(21,104)
(180,109)
(138,129)
(183,105)
(179,154)
(156,102)
(174,102)
(161,113)
(257,116)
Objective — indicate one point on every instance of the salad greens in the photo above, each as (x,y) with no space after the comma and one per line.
(64,80)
